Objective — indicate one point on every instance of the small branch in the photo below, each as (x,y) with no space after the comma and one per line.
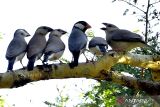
(133,6)
(147,21)
(155,2)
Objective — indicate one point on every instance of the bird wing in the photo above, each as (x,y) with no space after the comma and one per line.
(125,35)
(16,47)
(54,44)
(77,40)
(97,41)
(36,46)
(102,48)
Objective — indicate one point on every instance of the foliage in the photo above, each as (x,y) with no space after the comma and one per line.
(134,71)
(1,102)
(64,60)
(61,100)
(107,94)
(90,33)
(102,94)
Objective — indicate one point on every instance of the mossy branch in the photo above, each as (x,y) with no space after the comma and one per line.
(100,70)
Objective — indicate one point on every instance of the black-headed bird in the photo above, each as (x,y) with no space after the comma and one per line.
(77,41)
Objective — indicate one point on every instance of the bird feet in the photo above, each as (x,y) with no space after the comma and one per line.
(72,65)
(10,71)
(61,62)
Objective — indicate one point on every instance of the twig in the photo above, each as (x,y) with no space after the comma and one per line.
(133,5)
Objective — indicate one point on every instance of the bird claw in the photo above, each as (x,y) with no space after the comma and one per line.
(45,63)
(72,65)
(10,71)
(60,62)
(87,61)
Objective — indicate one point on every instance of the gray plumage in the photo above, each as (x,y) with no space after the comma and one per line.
(37,45)
(55,46)
(98,46)
(77,41)
(16,48)
(122,40)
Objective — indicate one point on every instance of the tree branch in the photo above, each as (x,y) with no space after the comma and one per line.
(96,70)
(155,2)
(151,88)
(147,21)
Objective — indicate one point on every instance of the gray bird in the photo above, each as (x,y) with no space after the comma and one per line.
(55,46)
(122,40)
(98,46)
(77,41)
(16,48)
(37,45)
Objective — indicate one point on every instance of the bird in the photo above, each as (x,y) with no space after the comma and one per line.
(55,46)
(37,45)
(122,40)
(98,46)
(77,41)
(17,48)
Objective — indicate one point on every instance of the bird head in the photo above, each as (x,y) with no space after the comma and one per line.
(58,32)
(109,27)
(43,30)
(82,25)
(21,32)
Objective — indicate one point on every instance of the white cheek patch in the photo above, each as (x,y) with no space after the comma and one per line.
(80,26)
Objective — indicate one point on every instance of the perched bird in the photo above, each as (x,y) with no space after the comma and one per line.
(55,46)
(77,41)
(122,40)
(37,45)
(17,48)
(98,46)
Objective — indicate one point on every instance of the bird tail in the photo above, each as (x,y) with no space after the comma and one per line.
(30,65)
(46,57)
(10,64)
(74,63)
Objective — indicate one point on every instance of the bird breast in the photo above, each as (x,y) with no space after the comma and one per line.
(20,57)
(125,46)
(95,50)
(55,56)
